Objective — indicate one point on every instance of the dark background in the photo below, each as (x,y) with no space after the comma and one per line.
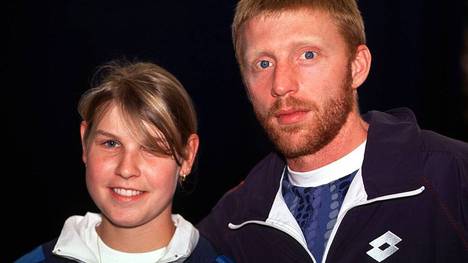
(53,48)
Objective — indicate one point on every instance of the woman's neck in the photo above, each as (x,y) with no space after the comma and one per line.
(144,238)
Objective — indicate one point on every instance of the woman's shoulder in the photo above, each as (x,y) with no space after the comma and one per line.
(42,254)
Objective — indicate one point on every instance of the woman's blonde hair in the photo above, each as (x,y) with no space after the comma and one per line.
(152,101)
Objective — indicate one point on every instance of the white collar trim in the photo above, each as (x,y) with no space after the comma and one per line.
(78,239)
(330,172)
(281,216)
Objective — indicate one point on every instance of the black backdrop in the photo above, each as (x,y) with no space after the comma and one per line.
(55,46)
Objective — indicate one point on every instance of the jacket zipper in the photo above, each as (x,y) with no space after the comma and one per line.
(338,222)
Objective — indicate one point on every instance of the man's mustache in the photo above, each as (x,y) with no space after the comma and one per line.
(291,103)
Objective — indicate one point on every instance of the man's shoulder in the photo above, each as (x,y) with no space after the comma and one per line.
(271,161)
(254,193)
(391,116)
(400,125)
(435,142)
(250,200)
(266,170)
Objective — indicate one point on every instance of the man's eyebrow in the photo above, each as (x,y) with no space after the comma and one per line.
(107,134)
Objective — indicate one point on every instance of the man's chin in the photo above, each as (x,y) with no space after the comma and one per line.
(286,130)
(290,144)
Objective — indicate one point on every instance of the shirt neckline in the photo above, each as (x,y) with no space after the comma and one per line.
(330,172)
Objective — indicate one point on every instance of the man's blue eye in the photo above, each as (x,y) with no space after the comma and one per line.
(309,55)
(264,64)
(110,144)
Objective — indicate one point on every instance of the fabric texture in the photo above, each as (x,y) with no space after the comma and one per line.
(316,209)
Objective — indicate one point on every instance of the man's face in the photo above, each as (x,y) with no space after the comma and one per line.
(297,70)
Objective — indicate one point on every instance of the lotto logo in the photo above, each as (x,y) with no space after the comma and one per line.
(383,246)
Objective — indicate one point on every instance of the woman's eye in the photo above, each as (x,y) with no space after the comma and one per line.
(263,64)
(309,55)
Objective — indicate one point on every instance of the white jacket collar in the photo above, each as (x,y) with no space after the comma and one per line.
(183,242)
(78,239)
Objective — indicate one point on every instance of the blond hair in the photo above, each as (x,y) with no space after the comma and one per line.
(151,100)
(345,13)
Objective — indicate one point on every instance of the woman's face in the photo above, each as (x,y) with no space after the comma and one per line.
(130,185)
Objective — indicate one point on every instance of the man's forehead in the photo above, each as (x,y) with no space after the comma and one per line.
(290,11)
(298,25)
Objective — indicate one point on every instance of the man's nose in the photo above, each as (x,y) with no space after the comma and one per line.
(284,80)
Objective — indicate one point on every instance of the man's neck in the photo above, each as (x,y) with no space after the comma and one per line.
(350,136)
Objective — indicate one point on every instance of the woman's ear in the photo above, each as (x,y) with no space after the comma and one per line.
(191,151)
(360,66)
(83,128)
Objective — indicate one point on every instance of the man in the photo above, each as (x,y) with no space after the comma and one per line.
(342,187)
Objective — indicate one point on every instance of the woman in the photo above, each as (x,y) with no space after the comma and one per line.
(139,139)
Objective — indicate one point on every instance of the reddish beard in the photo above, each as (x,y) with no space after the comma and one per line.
(327,122)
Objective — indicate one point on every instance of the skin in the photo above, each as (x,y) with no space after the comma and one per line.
(302,83)
(115,160)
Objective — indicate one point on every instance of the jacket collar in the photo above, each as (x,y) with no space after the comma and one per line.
(78,239)
(391,161)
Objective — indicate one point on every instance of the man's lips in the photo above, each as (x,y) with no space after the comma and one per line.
(290,116)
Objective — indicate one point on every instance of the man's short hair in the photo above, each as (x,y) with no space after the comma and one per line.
(344,12)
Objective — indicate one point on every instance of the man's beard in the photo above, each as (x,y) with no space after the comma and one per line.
(327,122)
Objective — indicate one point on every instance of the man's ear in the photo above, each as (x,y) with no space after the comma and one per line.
(83,128)
(191,151)
(360,66)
